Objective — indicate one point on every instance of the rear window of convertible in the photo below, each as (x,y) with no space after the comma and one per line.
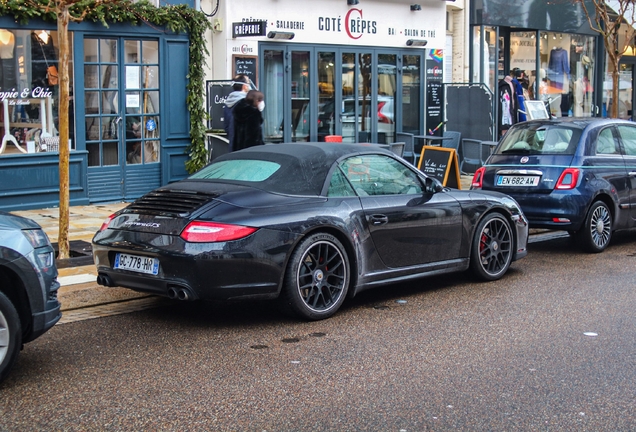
(240,170)
(540,139)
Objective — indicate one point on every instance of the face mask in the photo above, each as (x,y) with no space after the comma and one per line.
(261,106)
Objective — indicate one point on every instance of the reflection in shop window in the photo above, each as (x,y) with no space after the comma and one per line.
(29,92)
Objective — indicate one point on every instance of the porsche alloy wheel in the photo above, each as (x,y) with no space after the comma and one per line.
(317,277)
(492,247)
(596,232)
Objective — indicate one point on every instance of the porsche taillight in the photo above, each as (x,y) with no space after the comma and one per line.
(478,178)
(209,232)
(106,222)
(568,180)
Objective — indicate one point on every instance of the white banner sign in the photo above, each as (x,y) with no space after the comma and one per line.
(383,24)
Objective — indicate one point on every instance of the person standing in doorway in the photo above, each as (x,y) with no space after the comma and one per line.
(240,88)
(248,120)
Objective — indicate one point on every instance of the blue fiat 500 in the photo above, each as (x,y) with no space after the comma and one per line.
(568,174)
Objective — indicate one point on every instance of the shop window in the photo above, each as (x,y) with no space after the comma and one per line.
(566,74)
(29,91)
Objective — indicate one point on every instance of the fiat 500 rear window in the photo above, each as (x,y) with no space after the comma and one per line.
(541,139)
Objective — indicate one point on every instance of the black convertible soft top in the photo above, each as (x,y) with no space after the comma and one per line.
(304,166)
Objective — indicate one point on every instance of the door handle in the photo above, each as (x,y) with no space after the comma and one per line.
(378,219)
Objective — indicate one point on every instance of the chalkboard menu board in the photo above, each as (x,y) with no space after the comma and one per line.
(216,94)
(245,65)
(442,164)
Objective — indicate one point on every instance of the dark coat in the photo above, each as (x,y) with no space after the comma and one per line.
(248,125)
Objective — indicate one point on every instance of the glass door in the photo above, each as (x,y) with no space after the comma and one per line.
(326,94)
(273,88)
(357,97)
(286,84)
(300,107)
(411,88)
(387,89)
(121,102)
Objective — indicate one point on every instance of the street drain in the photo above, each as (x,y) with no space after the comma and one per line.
(318,334)
(381,307)
(290,340)
(259,347)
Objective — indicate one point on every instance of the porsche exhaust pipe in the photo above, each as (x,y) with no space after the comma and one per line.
(105,280)
(180,293)
(172,293)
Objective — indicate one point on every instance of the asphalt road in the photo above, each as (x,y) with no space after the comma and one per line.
(550,347)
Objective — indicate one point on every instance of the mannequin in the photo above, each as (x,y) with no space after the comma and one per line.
(8,78)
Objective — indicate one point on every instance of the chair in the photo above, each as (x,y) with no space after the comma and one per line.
(471,154)
(397,148)
(487,148)
(409,145)
(333,138)
(454,142)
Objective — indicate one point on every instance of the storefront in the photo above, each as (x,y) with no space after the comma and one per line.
(363,70)
(122,141)
(551,43)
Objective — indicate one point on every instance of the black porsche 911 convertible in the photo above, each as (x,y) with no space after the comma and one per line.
(308,224)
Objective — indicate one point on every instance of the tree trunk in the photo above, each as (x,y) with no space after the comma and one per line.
(63,114)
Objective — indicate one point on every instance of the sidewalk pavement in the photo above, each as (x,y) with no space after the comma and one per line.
(77,276)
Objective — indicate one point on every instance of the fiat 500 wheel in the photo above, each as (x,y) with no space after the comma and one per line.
(492,247)
(10,336)
(317,278)
(596,232)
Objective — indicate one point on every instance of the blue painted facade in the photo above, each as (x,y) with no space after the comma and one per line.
(32,180)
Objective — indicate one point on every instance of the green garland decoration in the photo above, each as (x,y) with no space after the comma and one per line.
(174,18)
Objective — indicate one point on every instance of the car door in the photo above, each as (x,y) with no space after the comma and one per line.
(407,225)
(628,141)
(606,162)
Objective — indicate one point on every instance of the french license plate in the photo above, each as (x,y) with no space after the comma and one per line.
(136,263)
(518,180)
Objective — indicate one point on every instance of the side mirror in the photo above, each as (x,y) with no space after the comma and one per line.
(433,185)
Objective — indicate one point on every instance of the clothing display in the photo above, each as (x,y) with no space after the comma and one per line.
(520,99)
(8,76)
(508,105)
(559,69)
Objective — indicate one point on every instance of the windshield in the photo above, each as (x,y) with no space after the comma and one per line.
(540,138)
